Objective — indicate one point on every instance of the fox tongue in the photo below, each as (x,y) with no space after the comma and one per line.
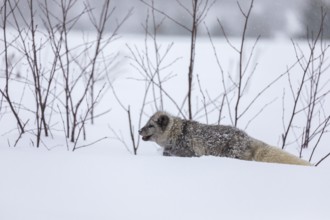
(146,138)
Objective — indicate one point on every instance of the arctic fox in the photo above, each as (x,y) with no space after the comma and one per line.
(187,138)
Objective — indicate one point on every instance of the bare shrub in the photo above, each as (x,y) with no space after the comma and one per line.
(77,105)
(30,47)
(235,90)
(197,13)
(5,13)
(309,94)
(61,74)
(151,64)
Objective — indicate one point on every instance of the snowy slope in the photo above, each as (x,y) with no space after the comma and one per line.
(105,181)
(42,185)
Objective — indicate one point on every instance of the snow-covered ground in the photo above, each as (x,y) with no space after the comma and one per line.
(58,186)
(105,181)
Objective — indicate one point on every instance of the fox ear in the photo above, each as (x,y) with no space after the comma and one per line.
(163,121)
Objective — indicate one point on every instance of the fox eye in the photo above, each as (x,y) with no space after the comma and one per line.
(150,126)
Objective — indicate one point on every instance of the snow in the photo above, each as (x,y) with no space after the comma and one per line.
(105,181)
(42,185)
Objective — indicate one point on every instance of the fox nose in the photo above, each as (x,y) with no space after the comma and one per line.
(140,131)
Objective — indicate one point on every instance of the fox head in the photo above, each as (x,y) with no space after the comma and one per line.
(156,128)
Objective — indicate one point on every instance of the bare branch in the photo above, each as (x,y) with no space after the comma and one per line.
(166,15)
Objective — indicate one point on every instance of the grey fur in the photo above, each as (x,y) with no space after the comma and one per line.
(186,138)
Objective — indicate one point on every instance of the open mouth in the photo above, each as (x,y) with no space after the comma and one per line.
(146,138)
